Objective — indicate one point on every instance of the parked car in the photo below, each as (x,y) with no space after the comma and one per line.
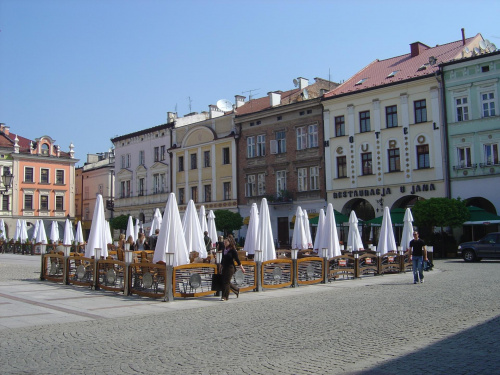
(486,247)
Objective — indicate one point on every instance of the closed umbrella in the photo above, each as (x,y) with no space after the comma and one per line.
(109,238)
(212,230)
(97,236)
(307,229)
(54,232)
(330,239)
(320,232)
(41,236)
(203,220)
(354,238)
(130,229)
(68,234)
(136,229)
(253,225)
(299,238)
(24,232)
(156,224)
(386,241)
(171,237)
(407,235)
(35,230)
(192,231)
(265,241)
(3,235)
(17,233)
(78,234)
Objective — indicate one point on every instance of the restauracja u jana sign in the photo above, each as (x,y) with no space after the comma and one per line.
(382,191)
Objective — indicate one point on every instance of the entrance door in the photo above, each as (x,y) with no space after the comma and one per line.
(283,237)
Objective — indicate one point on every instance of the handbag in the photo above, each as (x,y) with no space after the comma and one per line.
(217,282)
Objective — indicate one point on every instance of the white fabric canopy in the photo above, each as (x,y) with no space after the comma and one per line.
(136,229)
(171,236)
(35,231)
(253,226)
(299,237)
(320,232)
(386,241)
(354,238)
(68,234)
(24,232)
(109,238)
(203,221)
(156,224)
(192,231)
(407,235)
(265,241)
(17,233)
(78,233)
(41,236)
(330,238)
(97,236)
(130,229)
(307,230)
(2,230)
(54,232)
(212,230)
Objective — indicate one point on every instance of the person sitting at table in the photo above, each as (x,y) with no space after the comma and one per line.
(141,242)
(121,241)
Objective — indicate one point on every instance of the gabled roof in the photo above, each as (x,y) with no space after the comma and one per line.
(401,68)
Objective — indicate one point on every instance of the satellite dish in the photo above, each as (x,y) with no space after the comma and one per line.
(306,94)
(224,105)
(295,82)
(482,45)
(477,51)
(466,50)
(493,47)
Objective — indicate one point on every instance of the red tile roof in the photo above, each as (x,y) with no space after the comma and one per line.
(24,143)
(405,67)
(256,105)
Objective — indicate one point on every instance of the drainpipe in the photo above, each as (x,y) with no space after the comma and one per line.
(440,78)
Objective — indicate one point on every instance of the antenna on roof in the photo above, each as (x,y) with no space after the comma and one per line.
(189,101)
(250,93)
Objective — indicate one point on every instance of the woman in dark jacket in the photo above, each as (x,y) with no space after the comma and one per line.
(229,256)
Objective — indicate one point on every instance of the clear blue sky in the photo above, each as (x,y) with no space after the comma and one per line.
(84,71)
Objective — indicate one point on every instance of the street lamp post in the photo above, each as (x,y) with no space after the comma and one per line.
(128,260)
(294,267)
(324,255)
(258,274)
(97,256)
(169,294)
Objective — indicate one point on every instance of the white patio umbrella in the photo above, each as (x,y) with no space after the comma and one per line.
(156,224)
(253,226)
(136,229)
(24,232)
(109,238)
(78,234)
(41,236)
(212,230)
(54,232)
(35,230)
(3,235)
(407,235)
(354,238)
(68,234)
(192,231)
(307,229)
(171,237)
(330,238)
(320,232)
(97,236)
(17,233)
(203,220)
(265,241)
(130,229)
(386,241)
(299,238)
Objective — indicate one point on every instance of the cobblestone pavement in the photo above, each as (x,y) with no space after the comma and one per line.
(374,325)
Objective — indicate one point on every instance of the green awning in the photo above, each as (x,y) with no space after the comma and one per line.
(397,217)
(478,216)
(339,218)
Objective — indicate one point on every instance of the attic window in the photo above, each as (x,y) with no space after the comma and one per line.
(258,122)
(360,81)
(392,74)
(423,67)
(485,69)
(252,123)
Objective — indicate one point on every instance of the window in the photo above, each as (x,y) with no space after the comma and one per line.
(86,193)
(491,154)
(194,161)
(420,108)
(391,116)
(28,202)
(5,203)
(281,141)
(28,174)
(423,160)
(261,184)
(339,126)
(44,202)
(59,203)
(314,178)
(44,176)
(206,159)
(462,108)
(208,193)
(464,157)
(280,181)
(162,152)
(394,160)
(87,213)
(488,104)
(181,195)
(123,161)
(366,162)
(194,193)
(181,163)
(302,179)
(341,166)
(158,183)
(312,131)
(125,189)
(250,147)
(301,138)
(227,190)
(156,154)
(225,156)
(100,189)
(251,186)
(142,160)
(261,145)
(59,177)
(364,121)
(141,187)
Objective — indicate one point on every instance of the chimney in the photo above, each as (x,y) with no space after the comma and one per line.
(414,49)
(303,83)
(215,111)
(171,116)
(463,36)
(239,100)
(4,129)
(275,98)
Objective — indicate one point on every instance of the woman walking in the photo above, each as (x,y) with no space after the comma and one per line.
(229,256)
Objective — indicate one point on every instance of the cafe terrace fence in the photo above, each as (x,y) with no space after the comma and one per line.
(147,279)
